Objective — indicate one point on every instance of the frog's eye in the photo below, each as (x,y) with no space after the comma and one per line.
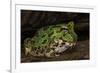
(64,29)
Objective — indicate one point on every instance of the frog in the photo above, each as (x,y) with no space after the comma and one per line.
(52,40)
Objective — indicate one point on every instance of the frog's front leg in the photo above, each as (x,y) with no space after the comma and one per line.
(27,51)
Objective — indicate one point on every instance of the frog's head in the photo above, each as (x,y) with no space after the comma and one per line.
(64,31)
(68,32)
(66,37)
(69,27)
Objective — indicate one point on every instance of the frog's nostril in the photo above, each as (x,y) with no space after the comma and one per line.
(64,29)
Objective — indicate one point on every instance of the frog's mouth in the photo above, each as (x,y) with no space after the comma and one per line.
(63,46)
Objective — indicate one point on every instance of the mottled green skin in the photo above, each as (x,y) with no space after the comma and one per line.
(39,45)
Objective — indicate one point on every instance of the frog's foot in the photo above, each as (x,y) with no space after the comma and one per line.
(33,53)
(40,54)
(50,53)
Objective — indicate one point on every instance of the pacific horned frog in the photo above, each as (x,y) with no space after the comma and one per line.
(51,40)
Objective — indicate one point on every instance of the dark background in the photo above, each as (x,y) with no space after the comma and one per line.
(31,21)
